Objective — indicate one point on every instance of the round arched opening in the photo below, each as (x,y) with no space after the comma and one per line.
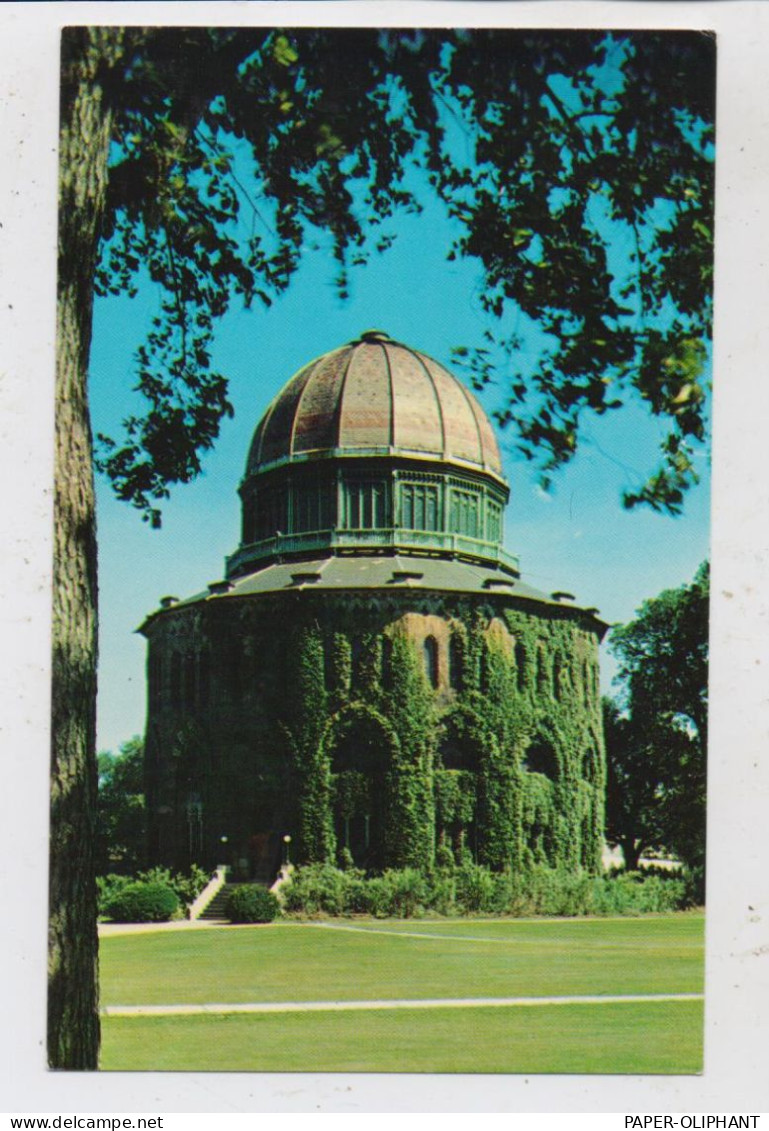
(540,758)
(430,659)
(360,753)
(456,783)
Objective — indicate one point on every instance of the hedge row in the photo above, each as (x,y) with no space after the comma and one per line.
(141,902)
(320,889)
(125,899)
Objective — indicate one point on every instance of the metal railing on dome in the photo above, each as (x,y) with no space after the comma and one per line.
(425,541)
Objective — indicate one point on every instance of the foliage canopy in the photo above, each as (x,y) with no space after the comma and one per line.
(657,744)
(121,809)
(578,166)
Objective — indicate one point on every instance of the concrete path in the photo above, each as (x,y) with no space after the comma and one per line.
(412,1003)
(106,929)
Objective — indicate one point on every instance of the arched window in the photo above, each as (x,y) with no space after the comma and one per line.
(176,681)
(387,662)
(189,683)
(520,666)
(456,663)
(361,753)
(484,668)
(204,679)
(540,758)
(356,660)
(430,654)
(557,677)
(542,672)
(234,669)
(155,676)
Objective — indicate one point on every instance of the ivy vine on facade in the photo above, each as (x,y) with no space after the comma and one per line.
(372,677)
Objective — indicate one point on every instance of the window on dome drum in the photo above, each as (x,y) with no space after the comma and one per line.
(494,522)
(366,505)
(312,507)
(271,506)
(430,654)
(465,513)
(419,506)
(249,520)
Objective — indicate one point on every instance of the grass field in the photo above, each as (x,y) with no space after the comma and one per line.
(401,961)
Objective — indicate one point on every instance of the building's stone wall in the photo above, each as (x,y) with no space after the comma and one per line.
(463,719)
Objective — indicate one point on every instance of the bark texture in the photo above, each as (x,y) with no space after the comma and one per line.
(73,1018)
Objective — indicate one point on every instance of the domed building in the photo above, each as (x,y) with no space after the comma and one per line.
(372,676)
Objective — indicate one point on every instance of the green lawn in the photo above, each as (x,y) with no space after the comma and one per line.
(410,960)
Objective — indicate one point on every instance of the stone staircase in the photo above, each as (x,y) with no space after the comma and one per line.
(217,909)
(213,907)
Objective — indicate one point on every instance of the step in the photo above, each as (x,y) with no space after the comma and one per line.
(216,908)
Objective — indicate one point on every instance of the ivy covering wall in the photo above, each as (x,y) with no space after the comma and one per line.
(394,732)
(506,767)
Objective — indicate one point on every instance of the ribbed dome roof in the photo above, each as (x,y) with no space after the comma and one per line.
(375,396)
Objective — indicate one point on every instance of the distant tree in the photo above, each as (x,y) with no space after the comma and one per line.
(584,183)
(640,761)
(657,736)
(121,810)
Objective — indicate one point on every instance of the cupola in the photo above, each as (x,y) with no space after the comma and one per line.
(373,447)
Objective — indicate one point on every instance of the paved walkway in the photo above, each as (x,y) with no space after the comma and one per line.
(397,1003)
(106,929)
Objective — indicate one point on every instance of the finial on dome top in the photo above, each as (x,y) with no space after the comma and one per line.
(375,336)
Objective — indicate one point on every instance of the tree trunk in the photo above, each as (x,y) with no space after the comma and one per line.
(631,852)
(73,1018)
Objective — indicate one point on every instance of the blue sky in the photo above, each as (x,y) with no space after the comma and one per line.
(577,537)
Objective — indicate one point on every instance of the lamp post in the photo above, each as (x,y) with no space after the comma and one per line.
(287,842)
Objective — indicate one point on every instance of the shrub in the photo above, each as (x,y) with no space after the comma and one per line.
(404,892)
(474,887)
(108,887)
(552,891)
(187,885)
(628,893)
(250,903)
(443,893)
(318,889)
(444,858)
(377,897)
(142,902)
